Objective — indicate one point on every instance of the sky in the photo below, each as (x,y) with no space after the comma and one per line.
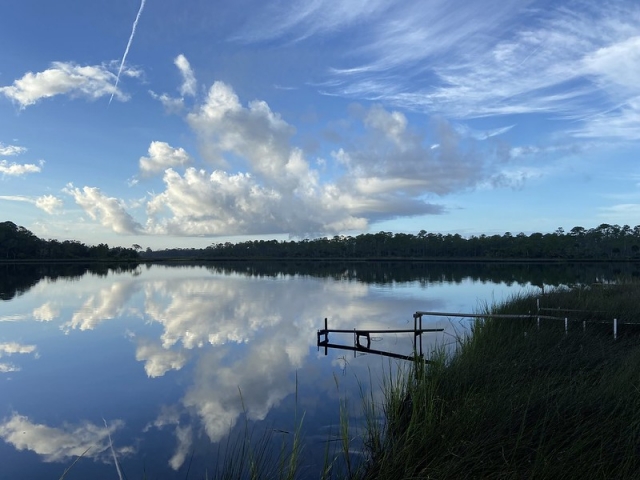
(172,123)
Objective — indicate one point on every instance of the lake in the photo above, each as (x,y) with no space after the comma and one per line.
(157,365)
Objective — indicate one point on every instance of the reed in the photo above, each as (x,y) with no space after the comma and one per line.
(518,401)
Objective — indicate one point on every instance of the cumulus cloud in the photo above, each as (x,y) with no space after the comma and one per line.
(14,169)
(162,156)
(60,444)
(8,368)
(158,360)
(276,189)
(189,82)
(109,211)
(63,78)
(106,304)
(49,203)
(11,348)
(184,437)
(262,184)
(9,150)
(256,134)
(46,312)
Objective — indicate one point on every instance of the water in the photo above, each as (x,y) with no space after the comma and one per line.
(156,365)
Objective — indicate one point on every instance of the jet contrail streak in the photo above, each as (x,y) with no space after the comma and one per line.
(126,50)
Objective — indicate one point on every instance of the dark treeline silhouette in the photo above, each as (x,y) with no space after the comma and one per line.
(605,242)
(18,243)
(18,278)
(445,272)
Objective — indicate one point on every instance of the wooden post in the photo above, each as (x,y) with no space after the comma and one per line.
(326,329)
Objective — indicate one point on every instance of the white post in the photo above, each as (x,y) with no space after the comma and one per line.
(566,325)
(615,328)
(584,325)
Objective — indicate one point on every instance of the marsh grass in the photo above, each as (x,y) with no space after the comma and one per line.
(254,455)
(515,401)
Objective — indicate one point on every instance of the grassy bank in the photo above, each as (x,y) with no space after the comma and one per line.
(518,401)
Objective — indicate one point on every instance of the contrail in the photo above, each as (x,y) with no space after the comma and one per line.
(126,50)
(115,460)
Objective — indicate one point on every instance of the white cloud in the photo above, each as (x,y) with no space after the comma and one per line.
(49,203)
(16,169)
(13,318)
(163,156)
(258,135)
(109,302)
(46,312)
(282,193)
(171,104)
(10,150)
(109,211)
(394,159)
(16,198)
(184,437)
(302,19)
(63,78)
(60,444)
(620,212)
(189,82)
(466,60)
(159,360)
(11,348)
(8,368)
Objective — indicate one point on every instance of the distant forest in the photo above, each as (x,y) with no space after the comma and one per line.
(18,243)
(605,242)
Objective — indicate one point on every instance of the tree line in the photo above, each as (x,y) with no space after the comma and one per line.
(604,242)
(18,243)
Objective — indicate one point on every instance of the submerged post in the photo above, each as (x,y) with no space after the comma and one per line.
(326,338)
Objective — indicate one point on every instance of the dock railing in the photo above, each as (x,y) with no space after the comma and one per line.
(362,337)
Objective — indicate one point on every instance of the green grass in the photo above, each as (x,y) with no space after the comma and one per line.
(516,401)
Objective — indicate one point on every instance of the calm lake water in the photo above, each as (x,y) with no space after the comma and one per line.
(156,365)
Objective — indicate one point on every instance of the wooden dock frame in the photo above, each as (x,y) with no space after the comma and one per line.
(360,334)
(365,334)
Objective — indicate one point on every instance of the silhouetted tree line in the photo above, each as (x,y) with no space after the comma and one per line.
(605,242)
(18,278)
(437,273)
(18,243)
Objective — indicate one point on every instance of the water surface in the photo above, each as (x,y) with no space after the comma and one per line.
(155,365)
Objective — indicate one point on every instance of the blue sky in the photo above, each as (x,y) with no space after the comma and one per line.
(171,123)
